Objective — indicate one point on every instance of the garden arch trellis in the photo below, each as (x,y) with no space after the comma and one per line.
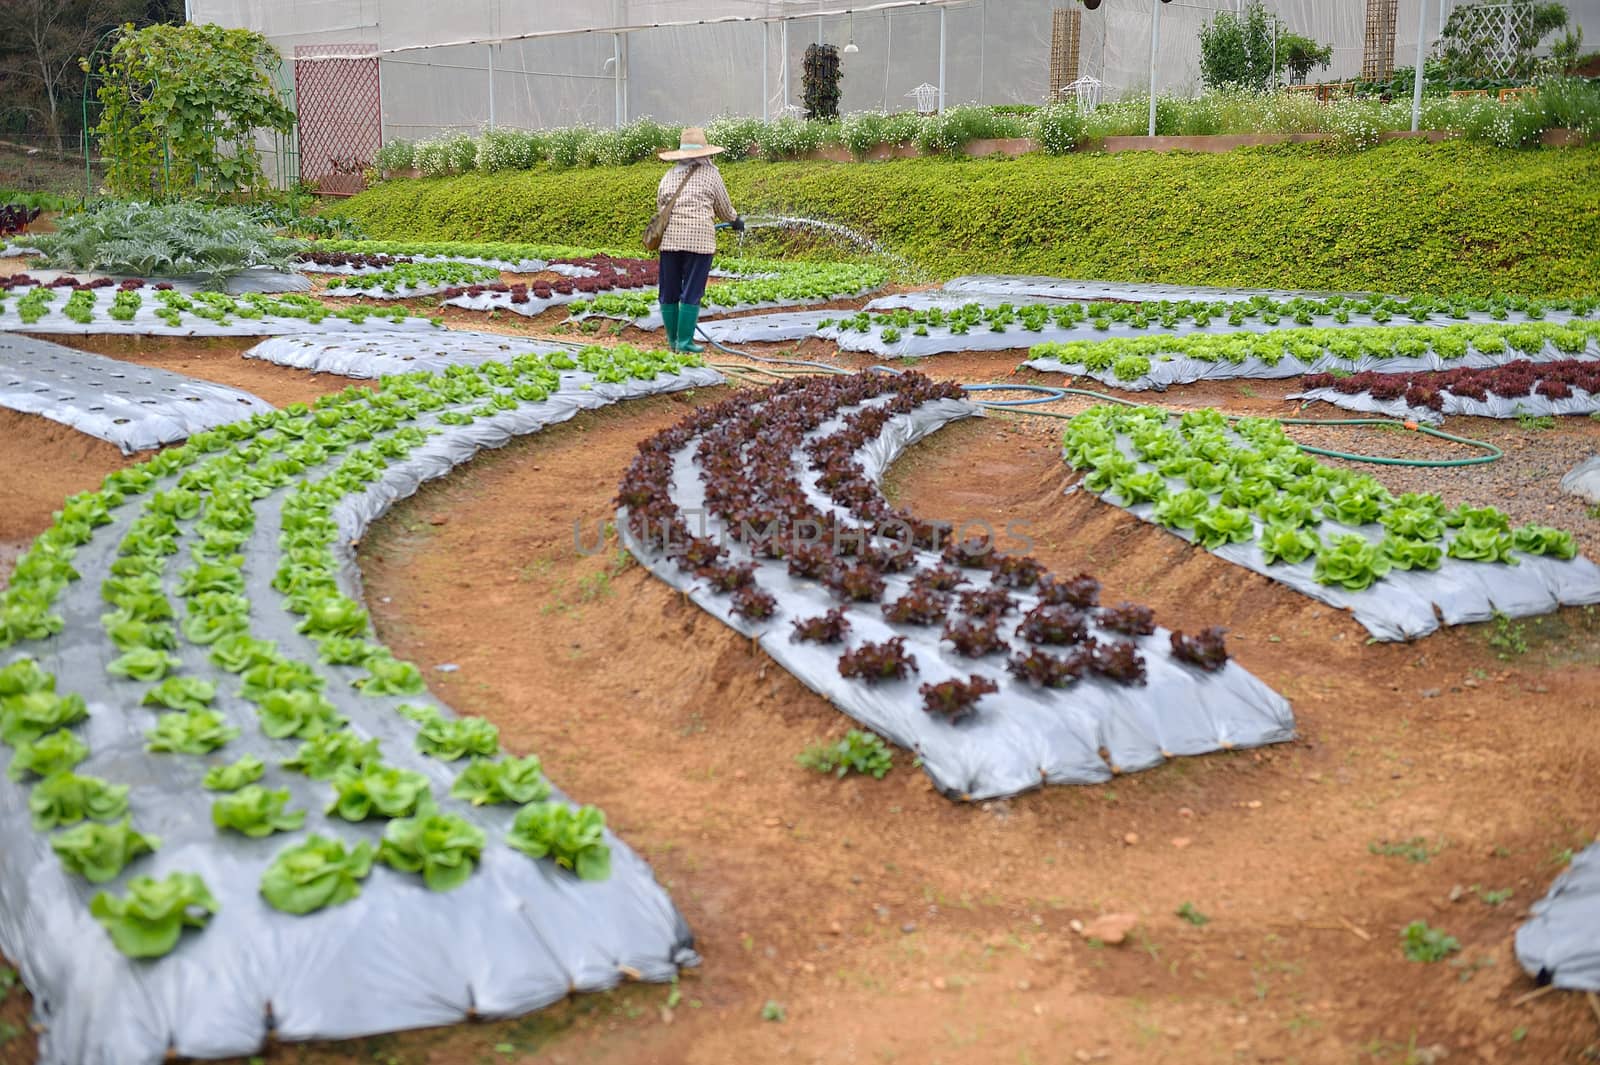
(279,151)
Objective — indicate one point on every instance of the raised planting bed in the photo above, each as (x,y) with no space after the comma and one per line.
(133,407)
(760,284)
(511,258)
(1140,363)
(1510,390)
(71,305)
(1402,565)
(405,280)
(628,278)
(231,815)
(765,509)
(372,355)
(1560,943)
(1059,332)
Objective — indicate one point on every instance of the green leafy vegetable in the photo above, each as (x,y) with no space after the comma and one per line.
(315,874)
(238,651)
(1482,543)
(144,663)
(449,740)
(1350,561)
(181,693)
(442,847)
(99,852)
(389,676)
(1410,554)
(190,732)
(1218,525)
(255,812)
(301,714)
(147,921)
(510,780)
(1544,540)
(50,753)
(1287,543)
(320,757)
(574,839)
(384,791)
(246,770)
(65,798)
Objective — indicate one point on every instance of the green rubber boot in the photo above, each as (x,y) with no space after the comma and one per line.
(688,318)
(669,324)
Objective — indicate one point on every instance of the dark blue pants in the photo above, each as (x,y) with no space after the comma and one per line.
(683,276)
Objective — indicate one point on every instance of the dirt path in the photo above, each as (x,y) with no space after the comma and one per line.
(893,925)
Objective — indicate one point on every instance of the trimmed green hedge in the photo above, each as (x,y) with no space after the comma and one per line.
(1408,217)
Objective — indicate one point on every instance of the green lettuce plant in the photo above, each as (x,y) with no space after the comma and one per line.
(509,780)
(1351,562)
(181,693)
(448,740)
(1179,510)
(246,770)
(442,847)
(146,664)
(190,732)
(300,714)
(573,839)
(98,853)
(1482,543)
(390,676)
(49,754)
(239,651)
(1544,540)
(256,812)
(1288,543)
(321,757)
(315,874)
(1408,554)
(376,790)
(64,798)
(1219,525)
(26,716)
(147,921)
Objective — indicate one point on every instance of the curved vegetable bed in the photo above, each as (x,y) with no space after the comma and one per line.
(262,824)
(1402,565)
(1001,676)
(1569,386)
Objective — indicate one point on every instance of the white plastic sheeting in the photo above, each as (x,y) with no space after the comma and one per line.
(1180,370)
(1560,943)
(1020,287)
(1405,604)
(145,321)
(997,51)
(1491,406)
(134,407)
(1583,480)
(534,306)
(518,935)
(1020,737)
(374,355)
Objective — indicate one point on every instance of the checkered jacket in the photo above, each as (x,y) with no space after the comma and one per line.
(703,203)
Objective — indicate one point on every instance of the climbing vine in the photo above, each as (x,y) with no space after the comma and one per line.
(181,106)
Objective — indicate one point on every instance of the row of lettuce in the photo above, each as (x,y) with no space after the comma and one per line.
(202,496)
(1249,482)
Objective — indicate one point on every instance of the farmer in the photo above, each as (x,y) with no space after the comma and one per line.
(691,237)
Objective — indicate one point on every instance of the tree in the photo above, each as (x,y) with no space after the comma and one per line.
(39,53)
(1237,51)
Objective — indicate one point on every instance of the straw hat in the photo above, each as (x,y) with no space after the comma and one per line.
(692,145)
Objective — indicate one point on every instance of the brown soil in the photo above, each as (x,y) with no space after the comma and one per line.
(893,925)
(890,924)
(44,462)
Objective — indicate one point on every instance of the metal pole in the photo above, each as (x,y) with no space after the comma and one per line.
(983,40)
(1416,80)
(766,93)
(1155,41)
(784,44)
(1274,53)
(941,60)
(616,75)
(491,86)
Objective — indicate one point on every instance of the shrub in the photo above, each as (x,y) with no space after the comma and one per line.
(789,137)
(1058,128)
(741,136)
(396,155)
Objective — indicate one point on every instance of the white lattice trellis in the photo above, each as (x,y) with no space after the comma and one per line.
(1085,92)
(1495,32)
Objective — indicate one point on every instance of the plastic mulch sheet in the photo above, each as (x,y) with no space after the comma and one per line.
(371,354)
(1017,287)
(501,301)
(1491,406)
(763,328)
(1560,943)
(145,321)
(1020,737)
(1583,480)
(1406,604)
(134,407)
(518,935)
(519,266)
